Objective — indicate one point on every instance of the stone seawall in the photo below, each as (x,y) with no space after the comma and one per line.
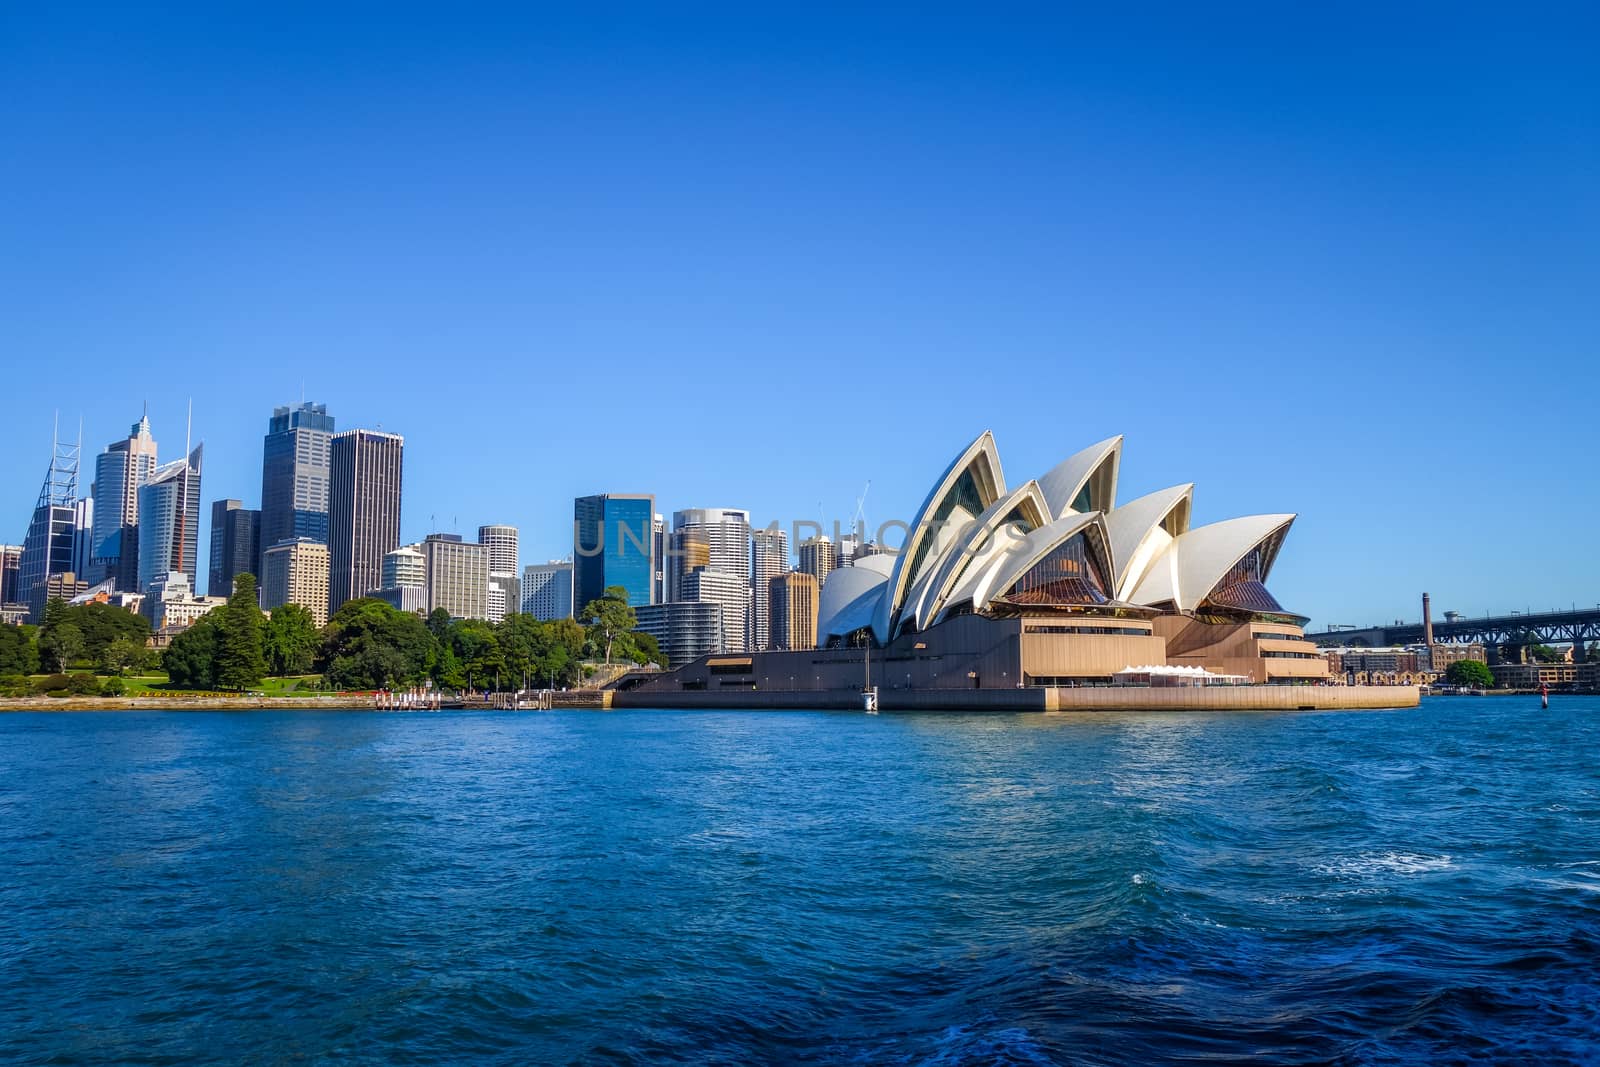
(1237,698)
(1109,698)
(182,703)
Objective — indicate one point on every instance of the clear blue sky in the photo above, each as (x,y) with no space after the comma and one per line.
(1339,262)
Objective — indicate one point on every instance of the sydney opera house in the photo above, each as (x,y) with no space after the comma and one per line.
(1044,594)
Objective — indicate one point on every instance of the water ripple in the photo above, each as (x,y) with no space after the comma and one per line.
(650,887)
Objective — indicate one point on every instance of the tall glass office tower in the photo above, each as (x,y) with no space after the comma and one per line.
(295,457)
(119,471)
(169,521)
(613,544)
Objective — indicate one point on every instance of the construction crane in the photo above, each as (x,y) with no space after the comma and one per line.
(858,520)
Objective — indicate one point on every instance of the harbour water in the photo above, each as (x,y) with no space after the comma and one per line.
(708,887)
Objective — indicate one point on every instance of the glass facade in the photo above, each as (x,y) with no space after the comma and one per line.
(1069,576)
(296,458)
(1241,589)
(612,545)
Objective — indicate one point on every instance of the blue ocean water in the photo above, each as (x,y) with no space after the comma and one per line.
(700,887)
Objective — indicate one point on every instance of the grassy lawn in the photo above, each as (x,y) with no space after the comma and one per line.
(134,685)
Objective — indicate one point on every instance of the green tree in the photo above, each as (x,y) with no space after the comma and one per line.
(520,638)
(241,660)
(55,611)
(102,624)
(647,649)
(190,660)
(1469,673)
(440,624)
(1546,654)
(478,651)
(291,640)
(19,650)
(61,645)
(609,617)
(370,645)
(121,654)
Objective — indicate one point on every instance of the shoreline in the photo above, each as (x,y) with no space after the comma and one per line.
(1241,699)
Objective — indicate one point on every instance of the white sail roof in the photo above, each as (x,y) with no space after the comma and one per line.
(850,597)
(1094,469)
(997,573)
(1142,529)
(981,463)
(1192,565)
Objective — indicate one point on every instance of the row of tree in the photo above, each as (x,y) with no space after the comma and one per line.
(368,644)
(96,635)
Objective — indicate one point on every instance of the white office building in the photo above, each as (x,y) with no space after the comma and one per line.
(547,590)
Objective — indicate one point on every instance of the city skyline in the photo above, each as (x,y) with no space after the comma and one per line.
(548,532)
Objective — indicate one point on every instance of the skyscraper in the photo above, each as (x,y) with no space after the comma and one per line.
(688,551)
(817,558)
(296,572)
(612,545)
(547,590)
(365,472)
(10,558)
(769,557)
(295,474)
(119,471)
(235,545)
(794,598)
(47,549)
(658,552)
(169,520)
(505,587)
(458,576)
(726,532)
(83,541)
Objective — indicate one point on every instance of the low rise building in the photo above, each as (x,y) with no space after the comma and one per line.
(685,629)
(1534,675)
(171,605)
